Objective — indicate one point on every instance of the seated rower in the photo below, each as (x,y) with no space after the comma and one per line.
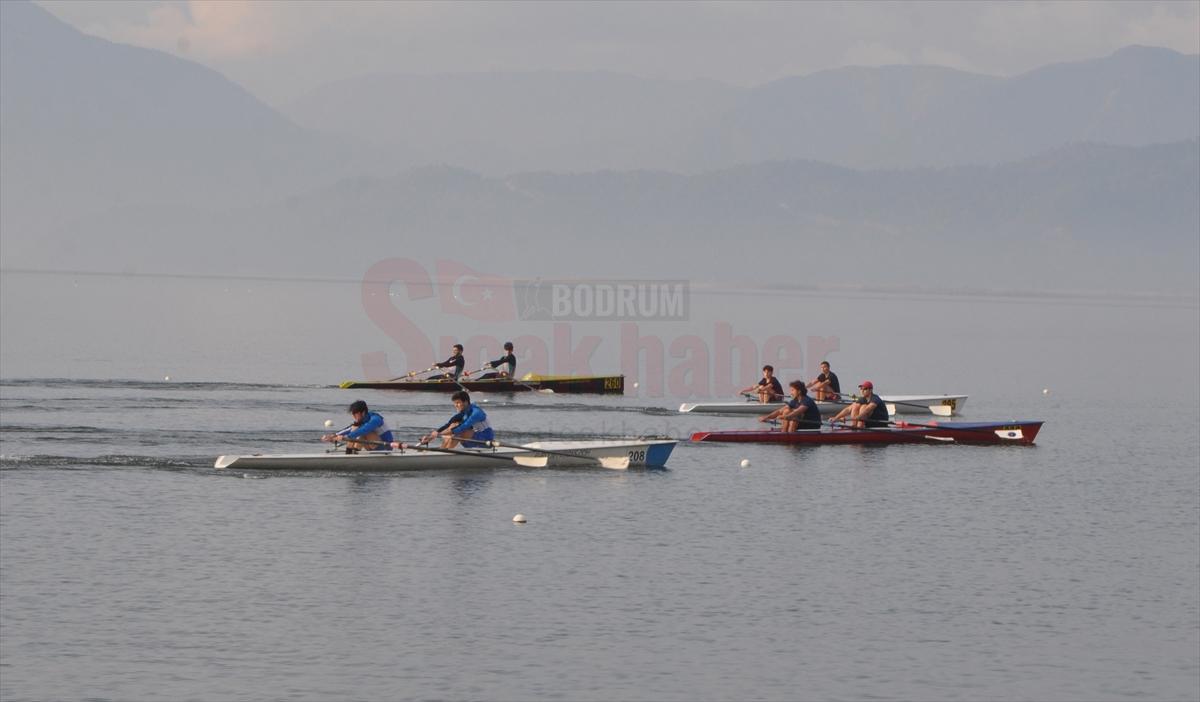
(508,360)
(869,410)
(369,430)
(455,363)
(469,426)
(768,389)
(826,386)
(799,412)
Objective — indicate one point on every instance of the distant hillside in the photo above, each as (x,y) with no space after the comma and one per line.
(888,117)
(1085,216)
(89,125)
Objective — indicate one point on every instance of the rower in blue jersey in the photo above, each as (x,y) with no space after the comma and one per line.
(868,410)
(455,363)
(508,360)
(368,431)
(469,426)
(798,412)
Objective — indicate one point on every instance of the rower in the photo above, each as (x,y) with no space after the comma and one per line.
(369,430)
(799,412)
(868,410)
(469,426)
(768,389)
(826,386)
(456,361)
(508,360)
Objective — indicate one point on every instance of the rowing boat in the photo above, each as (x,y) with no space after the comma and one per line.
(647,453)
(940,405)
(1014,432)
(578,384)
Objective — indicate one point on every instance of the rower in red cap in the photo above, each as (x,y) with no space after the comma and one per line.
(866,410)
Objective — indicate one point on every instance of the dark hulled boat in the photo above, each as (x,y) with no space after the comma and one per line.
(589,384)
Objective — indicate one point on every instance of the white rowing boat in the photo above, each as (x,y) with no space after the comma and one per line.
(940,405)
(618,453)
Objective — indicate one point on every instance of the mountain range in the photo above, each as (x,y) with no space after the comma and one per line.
(886,117)
(1082,174)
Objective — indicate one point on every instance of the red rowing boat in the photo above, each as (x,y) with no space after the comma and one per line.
(1014,432)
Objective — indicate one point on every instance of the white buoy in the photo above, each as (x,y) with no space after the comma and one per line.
(635,385)
(519,519)
(1045,391)
(167,377)
(745,462)
(328,422)
(484,400)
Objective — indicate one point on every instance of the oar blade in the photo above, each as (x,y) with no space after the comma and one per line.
(614,462)
(532,461)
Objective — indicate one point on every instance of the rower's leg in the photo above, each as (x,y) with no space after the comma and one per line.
(855,411)
(453,441)
(361,442)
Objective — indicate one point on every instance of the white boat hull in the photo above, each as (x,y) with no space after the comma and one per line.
(639,453)
(940,405)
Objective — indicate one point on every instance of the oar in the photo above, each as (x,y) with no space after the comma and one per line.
(939,427)
(411,374)
(544,391)
(529,461)
(468,373)
(755,398)
(615,462)
(938,410)
(514,381)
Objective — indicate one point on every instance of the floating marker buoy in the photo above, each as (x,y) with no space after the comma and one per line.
(519,519)
(635,385)
(1045,391)
(328,422)
(745,462)
(167,377)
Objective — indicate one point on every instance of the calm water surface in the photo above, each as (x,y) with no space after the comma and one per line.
(132,570)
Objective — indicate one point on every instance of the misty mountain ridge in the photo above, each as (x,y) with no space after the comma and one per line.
(90,125)
(120,158)
(884,117)
(1082,216)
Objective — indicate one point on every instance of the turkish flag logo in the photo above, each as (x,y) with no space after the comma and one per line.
(482,297)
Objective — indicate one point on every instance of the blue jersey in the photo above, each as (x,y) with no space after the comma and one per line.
(472,418)
(775,387)
(372,423)
(811,419)
(879,414)
(834,384)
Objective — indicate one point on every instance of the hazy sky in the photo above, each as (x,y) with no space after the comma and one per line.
(280,50)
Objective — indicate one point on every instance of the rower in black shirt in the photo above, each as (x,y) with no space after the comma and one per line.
(798,412)
(869,410)
(826,385)
(768,389)
(456,361)
(506,360)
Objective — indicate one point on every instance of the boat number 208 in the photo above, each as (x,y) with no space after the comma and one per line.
(637,456)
